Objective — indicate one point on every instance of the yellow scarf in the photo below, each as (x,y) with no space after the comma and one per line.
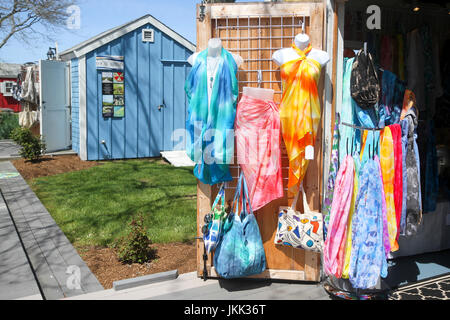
(388,172)
(300,111)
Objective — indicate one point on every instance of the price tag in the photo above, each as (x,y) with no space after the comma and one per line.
(309,153)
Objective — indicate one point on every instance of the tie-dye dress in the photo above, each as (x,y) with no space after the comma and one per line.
(300,111)
(210,126)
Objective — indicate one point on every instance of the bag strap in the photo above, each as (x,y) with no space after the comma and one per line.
(245,197)
(306,208)
(220,195)
(237,195)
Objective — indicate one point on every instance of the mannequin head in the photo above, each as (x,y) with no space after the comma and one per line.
(214,47)
(302,41)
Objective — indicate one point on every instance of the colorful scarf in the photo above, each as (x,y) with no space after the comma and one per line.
(333,255)
(398,178)
(368,257)
(258,149)
(414,195)
(405,129)
(348,247)
(210,142)
(334,167)
(388,171)
(300,111)
(347,133)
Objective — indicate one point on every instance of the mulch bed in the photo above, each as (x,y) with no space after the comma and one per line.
(49,166)
(103,262)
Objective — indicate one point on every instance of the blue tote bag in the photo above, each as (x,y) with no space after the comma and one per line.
(240,252)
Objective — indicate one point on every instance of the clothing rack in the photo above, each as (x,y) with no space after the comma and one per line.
(361,128)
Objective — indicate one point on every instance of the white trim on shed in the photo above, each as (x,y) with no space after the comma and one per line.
(110,35)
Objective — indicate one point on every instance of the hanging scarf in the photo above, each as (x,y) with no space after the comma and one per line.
(414,197)
(368,257)
(387,99)
(258,149)
(398,178)
(388,171)
(300,111)
(386,61)
(210,143)
(347,133)
(386,240)
(334,167)
(348,244)
(337,231)
(405,130)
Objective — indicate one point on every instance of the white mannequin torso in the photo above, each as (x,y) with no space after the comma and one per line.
(302,41)
(282,56)
(213,61)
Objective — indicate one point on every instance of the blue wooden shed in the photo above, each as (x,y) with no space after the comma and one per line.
(153,61)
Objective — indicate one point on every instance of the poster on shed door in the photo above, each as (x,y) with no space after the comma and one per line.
(113,94)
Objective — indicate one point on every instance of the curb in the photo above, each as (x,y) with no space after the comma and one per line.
(141,281)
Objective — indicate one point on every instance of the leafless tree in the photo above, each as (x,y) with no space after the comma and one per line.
(18,18)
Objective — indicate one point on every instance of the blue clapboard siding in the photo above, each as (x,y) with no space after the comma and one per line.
(155,74)
(75,105)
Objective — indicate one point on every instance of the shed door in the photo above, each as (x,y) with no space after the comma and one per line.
(55,105)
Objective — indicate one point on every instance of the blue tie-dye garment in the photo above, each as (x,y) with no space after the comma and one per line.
(368,259)
(210,140)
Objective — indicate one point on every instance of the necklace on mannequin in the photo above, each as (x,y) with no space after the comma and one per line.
(212,67)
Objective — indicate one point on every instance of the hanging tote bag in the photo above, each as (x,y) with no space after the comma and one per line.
(214,222)
(240,252)
(364,84)
(300,230)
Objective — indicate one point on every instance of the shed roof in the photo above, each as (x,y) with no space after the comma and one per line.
(9,70)
(112,34)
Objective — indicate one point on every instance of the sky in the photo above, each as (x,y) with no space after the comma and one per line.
(97,16)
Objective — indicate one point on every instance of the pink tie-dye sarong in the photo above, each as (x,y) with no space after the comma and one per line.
(258,149)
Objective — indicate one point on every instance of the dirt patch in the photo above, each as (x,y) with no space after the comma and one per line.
(104,263)
(49,166)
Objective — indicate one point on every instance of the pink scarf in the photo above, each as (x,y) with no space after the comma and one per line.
(333,253)
(398,178)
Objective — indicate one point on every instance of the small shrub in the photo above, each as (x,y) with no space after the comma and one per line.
(32,147)
(135,246)
(8,122)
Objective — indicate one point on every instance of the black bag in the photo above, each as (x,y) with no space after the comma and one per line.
(364,86)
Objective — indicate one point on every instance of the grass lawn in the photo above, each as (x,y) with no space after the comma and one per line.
(94,206)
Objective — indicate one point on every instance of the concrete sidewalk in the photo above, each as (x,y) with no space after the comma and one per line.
(16,276)
(56,264)
(189,287)
(8,150)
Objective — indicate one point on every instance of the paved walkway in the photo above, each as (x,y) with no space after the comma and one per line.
(16,276)
(56,264)
(189,287)
(8,150)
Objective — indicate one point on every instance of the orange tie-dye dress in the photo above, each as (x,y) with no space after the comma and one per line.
(300,111)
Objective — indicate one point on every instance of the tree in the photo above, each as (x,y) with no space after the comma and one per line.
(18,18)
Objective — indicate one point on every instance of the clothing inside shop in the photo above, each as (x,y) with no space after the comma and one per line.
(391,149)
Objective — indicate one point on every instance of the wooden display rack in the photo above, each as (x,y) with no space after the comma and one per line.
(255,31)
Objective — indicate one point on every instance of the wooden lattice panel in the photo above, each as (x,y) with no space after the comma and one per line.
(255,31)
